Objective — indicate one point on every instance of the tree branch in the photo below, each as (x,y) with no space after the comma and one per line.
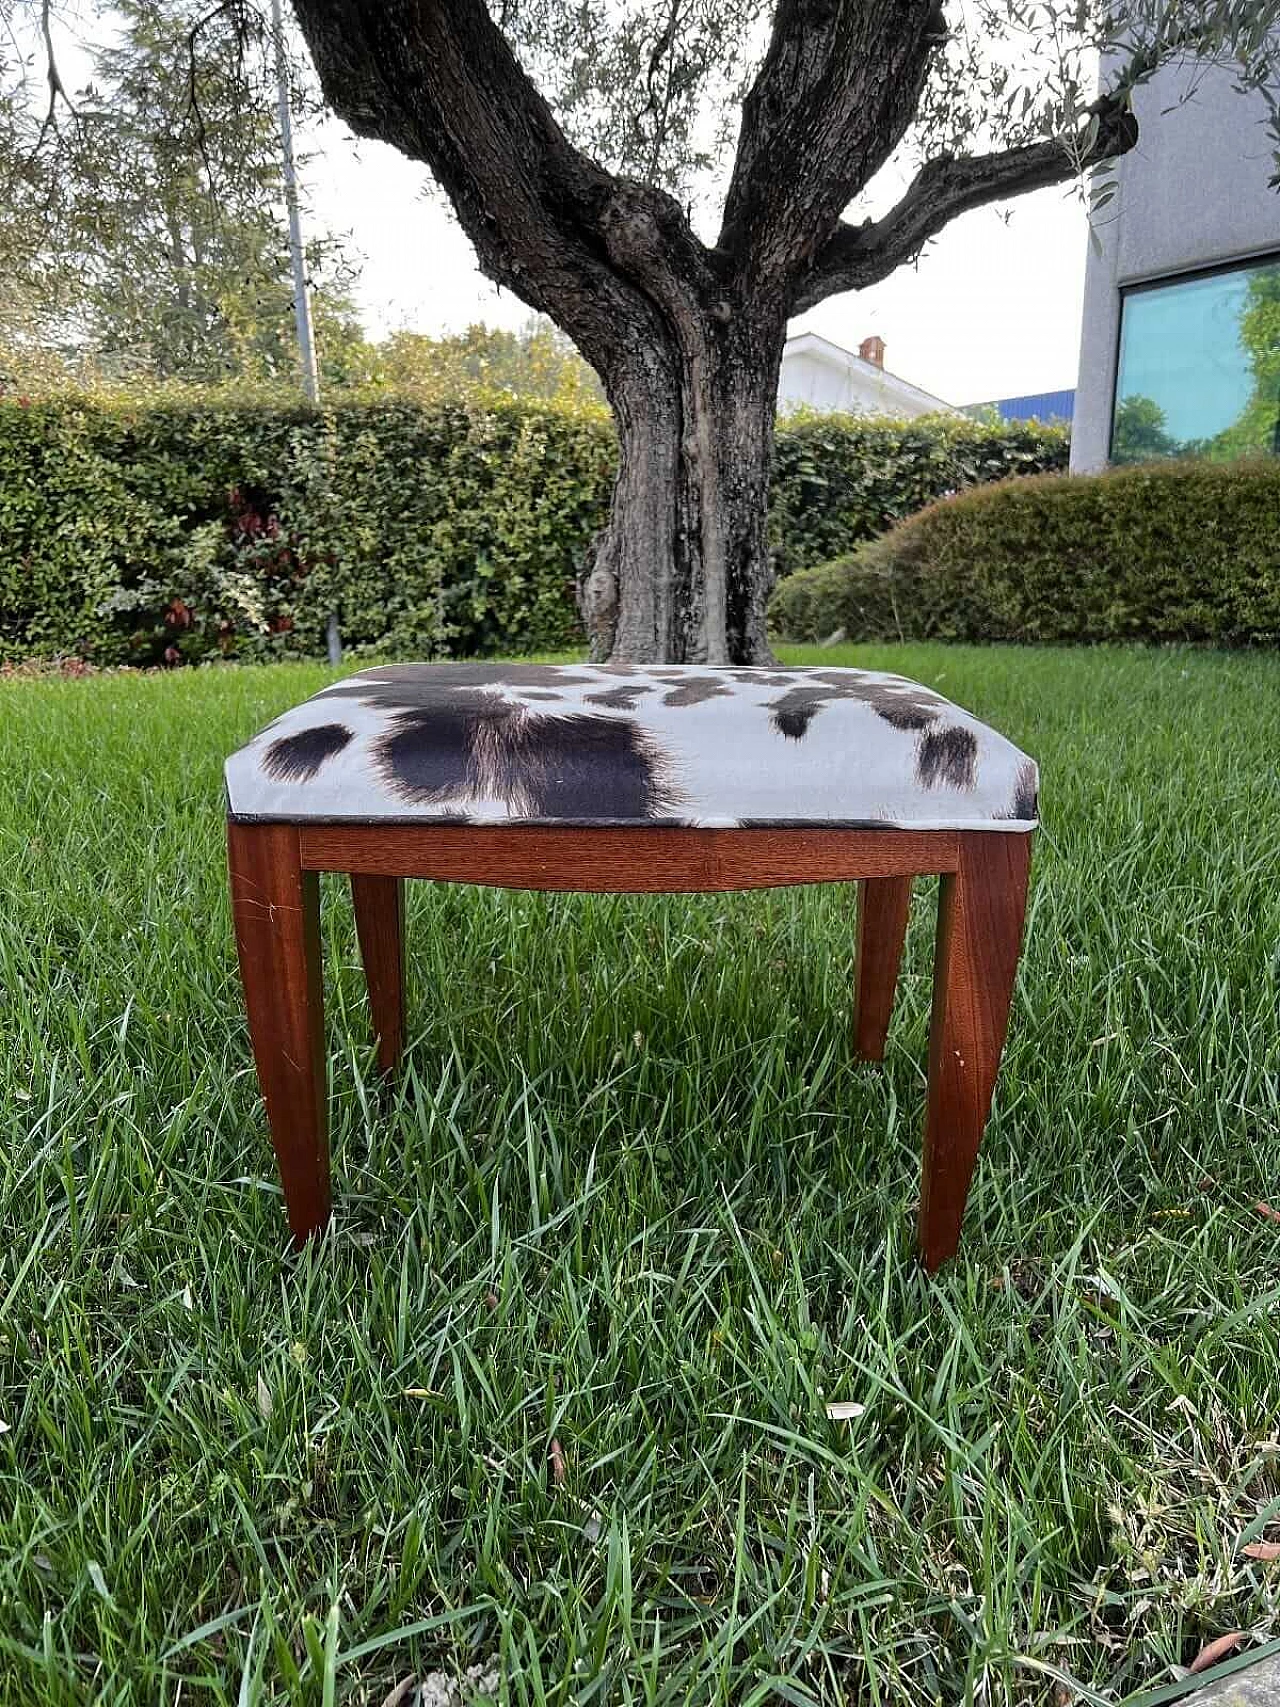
(838,86)
(57,88)
(857,256)
(440,82)
(193,95)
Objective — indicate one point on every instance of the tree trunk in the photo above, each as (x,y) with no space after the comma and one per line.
(681,572)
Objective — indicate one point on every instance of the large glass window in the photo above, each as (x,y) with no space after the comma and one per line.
(1199,369)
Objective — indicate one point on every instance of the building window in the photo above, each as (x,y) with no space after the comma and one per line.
(1199,367)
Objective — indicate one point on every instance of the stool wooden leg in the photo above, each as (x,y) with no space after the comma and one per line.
(980,917)
(276,906)
(379,904)
(883,906)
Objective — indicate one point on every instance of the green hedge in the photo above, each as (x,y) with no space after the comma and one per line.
(1160,552)
(841,479)
(174,532)
(135,535)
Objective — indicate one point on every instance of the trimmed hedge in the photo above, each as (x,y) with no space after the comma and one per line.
(1160,552)
(173,532)
(841,479)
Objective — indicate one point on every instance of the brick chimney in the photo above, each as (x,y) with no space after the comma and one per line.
(872,350)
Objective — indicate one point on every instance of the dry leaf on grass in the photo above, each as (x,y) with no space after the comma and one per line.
(844,1410)
(1266,1551)
(265,1404)
(557,1463)
(1212,1652)
(401,1693)
(1266,1211)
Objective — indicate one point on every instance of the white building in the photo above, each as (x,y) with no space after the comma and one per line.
(818,374)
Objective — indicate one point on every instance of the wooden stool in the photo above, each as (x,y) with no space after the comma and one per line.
(631,779)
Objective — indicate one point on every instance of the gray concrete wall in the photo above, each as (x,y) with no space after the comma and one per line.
(1193,193)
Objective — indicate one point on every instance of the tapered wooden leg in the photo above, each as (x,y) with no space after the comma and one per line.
(379,904)
(980,917)
(276,906)
(883,906)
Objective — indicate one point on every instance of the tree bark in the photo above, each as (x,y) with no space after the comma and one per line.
(686,341)
(681,571)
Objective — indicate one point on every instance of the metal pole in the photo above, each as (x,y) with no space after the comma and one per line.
(301,295)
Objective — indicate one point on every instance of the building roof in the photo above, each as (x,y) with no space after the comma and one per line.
(835,355)
(1035,406)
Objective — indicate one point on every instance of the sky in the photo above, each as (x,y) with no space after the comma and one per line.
(992,309)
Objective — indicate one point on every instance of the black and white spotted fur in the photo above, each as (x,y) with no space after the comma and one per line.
(633,744)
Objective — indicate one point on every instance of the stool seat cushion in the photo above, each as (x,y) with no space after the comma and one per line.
(632,744)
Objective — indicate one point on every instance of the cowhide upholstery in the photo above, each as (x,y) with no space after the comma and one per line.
(633,744)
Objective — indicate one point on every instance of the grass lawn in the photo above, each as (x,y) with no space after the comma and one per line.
(634,1197)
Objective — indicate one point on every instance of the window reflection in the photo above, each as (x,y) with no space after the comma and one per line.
(1199,370)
